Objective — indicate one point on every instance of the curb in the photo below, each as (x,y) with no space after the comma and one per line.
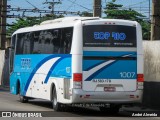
(139,109)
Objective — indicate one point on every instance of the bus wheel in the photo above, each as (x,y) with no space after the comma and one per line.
(56,105)
(22,99)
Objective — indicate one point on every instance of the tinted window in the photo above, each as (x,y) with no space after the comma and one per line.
(55,41)
(45,42)
(23,43)
(66,41)
(12,51)
(109,36)
(13,41)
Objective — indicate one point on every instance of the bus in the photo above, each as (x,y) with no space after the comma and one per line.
(78,60)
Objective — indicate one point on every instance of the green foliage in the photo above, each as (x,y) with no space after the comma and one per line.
(86,14)
(115,11)
(112,10)
(29,21)
(146,28)
(20,23)
(112,6)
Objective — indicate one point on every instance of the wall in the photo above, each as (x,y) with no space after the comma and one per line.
(2,60)
(151,96)
(152,60)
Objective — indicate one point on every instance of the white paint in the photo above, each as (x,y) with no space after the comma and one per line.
(122,85)
(38,78)
(86,74)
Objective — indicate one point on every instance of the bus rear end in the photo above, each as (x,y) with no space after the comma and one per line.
(111,63)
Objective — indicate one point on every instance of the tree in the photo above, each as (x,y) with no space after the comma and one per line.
(115,11)
(86,14)
(29,21)
(20,23)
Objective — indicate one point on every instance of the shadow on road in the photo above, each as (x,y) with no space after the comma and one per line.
(41,103)
(77,111)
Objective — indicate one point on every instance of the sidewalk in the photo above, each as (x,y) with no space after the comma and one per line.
(141,110)
(138,109)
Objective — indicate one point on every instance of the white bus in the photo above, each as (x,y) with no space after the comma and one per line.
(76,60)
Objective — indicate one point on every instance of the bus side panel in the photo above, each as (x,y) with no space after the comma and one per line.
(56,70)
(13,83)
(23,68)
(34,72)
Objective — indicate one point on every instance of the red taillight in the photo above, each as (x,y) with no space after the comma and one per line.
(140,78)
(77,77)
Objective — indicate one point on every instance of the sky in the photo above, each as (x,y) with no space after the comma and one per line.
(141,6)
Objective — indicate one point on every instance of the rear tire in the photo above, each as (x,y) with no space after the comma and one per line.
(56,105)
(22,98)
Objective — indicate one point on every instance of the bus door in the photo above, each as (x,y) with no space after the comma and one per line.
(109,58)
(12,53)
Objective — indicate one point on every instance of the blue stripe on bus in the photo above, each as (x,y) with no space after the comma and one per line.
(87,66)
(51,69)
(99,71)
(108,53)
(113,70)
(34,71)
(38,66)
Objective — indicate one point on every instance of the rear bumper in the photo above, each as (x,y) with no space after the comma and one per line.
(80,96)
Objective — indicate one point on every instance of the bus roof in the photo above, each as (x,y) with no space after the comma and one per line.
(58,23)
(61,22)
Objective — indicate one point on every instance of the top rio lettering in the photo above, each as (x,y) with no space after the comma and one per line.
(107,35)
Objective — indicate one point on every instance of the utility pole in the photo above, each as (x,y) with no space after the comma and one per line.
(149,9)
(51,5)
(3,23)
(155,23)
(0,21)
(97,8)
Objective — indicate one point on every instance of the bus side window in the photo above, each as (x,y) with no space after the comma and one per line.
(56,40)
(66,40)
(23,43)
(12,52)
(20,44)
(34,37)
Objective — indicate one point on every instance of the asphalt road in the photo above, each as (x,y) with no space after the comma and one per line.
(9,102)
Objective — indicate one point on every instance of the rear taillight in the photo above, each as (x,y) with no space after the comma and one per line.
(77,78)
(140,78)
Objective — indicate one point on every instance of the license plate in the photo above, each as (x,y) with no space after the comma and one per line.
(109,89)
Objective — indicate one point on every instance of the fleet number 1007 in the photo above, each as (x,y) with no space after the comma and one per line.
(127,74)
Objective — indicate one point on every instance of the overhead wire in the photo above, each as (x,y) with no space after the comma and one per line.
(75,2)
(80,5)
(137,3)
(32,4)
(71,5)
